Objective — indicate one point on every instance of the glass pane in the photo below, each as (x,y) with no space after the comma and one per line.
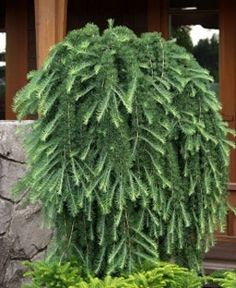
(2,73)
(196,28)
(199,4)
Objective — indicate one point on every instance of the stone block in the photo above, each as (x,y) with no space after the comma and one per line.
(22,236)
(29,237)
(14,274)
(5,245)
(6,209)
(11,139)
(10,173)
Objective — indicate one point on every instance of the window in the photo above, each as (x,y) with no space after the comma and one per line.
(195,26)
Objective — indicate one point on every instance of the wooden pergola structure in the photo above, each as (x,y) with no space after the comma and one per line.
(51,25)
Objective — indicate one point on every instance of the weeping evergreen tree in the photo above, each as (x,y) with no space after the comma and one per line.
(129,156)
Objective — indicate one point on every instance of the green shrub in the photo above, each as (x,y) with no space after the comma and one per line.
(160,275)
(228,280)
(53,274)
(69,276)
(129,155)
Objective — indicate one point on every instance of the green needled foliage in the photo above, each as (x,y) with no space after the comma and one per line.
(129,155)
(69,275)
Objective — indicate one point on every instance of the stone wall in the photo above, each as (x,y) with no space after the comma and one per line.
(21,234)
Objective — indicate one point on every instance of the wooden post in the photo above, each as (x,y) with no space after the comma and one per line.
(16,51)
(228,69)
(50,23)
(158,17)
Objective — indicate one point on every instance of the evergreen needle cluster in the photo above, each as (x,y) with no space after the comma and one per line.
(129,155)
(69,275)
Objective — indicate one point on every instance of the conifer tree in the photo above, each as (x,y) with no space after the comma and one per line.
(129,155)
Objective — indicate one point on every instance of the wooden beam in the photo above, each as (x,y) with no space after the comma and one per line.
(154,21)
(16,51)
(158,16)
(228,70)
(232,186)
(231,219)
(50,23)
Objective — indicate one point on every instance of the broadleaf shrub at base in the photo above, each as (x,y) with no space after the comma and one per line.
(129,156)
